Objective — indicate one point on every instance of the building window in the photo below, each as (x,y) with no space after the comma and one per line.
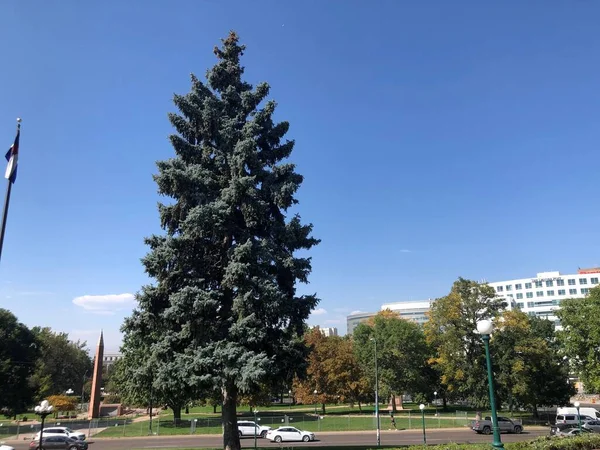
(585,290)
(529,294)
(549,283)
(571,281)
(583,281)
(527,285)
(519,296)
(518,286)
(539,294)
(593,280)
(561,292)
(538,284)
(572,291)
(499,289)
(530,304)
(520,305)
(550,293)
(560,282)
(509,287)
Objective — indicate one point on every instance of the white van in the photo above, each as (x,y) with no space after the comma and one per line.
(592,412)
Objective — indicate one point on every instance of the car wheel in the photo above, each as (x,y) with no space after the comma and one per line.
(518,429)
(487,430)
(239,433)
(278,439)
(73,447)
(263,434)
(306,438)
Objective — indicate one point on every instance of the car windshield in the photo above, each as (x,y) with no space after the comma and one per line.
(69,430)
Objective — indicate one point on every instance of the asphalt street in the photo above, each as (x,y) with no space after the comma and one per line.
(403,437)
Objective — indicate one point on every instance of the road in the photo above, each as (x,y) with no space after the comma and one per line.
(403,437)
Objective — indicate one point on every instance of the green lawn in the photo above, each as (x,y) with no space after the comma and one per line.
(204,425)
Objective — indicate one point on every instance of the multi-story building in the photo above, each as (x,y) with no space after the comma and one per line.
(329,331)
(110,358)
(413,311)
(353,320)
(541,296)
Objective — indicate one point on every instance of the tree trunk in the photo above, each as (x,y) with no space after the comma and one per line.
(214,409)
(176,413)
(394,410)
(444,403)
(231,438)
(323,408)
(187,409)
(359,407)
(535,412)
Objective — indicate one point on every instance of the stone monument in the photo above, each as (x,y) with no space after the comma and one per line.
(94,409)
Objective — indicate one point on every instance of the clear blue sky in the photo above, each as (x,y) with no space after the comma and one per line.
(437,139)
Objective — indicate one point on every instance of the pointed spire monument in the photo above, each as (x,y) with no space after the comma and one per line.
(94,409)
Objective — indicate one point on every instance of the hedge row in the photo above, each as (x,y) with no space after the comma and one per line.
(588,442)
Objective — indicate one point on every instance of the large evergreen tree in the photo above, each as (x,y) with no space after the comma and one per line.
(224,312)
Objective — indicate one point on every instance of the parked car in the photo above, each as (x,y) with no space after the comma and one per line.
(6,447)
(289,434)
(505,424)
(249,428)
(584,411)
(592,425)
(572,432)
(571,419)
(59,442)
(61,431)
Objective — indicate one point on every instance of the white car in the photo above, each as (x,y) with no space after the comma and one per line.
(249,428)
(6,447)
(290,434)
(61,431)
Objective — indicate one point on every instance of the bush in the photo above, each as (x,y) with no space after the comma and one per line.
(587,442)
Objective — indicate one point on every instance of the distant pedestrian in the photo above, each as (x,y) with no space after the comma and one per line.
(393,422)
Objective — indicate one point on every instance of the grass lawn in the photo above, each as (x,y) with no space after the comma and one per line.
(204,425)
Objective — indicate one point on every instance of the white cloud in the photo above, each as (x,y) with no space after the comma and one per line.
(358,311)
(404,250)
(319,312)
(105,304)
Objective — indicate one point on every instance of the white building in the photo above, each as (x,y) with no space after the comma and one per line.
(110,358)
(541,296)
(413,311)
(331,331)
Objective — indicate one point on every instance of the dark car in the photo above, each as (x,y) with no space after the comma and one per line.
(59,442)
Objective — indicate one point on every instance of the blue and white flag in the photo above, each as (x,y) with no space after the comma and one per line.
(12,156)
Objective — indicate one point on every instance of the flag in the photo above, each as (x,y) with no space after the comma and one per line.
(12,157)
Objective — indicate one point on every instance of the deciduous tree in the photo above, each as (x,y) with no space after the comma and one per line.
(18,355)
(223,312)
(580,337)
(451,330)
(402,353)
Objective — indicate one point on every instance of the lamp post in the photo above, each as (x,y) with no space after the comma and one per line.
(69,391)
(435,401)
(315,394)
(43,410)
(255,411)
(577,405)
(377,395)
(485,328)
(422,408)
(290,398)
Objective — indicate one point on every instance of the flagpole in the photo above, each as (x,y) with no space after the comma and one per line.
(7,202)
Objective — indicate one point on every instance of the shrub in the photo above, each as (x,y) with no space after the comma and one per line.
(586,442)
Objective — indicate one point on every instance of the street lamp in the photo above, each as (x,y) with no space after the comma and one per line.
(290,398)
(315,394)
(44,409)
(255,411)
(422,408)
(577,405)
(435,401)
(377,395)
(69,391)
(485,328)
